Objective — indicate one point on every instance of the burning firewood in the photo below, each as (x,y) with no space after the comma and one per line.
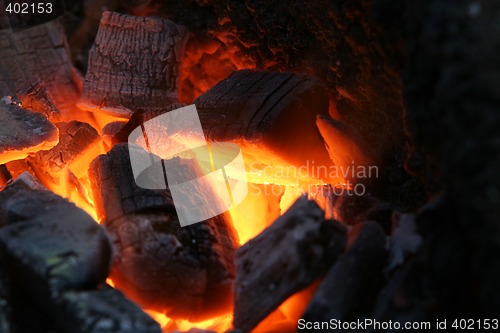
(49,244)
(23,132)
(133,65)
(182,271)
(286,257)
(103,310)
(271,115)
(40,52)
(35,97)
(351,286)
(76,141)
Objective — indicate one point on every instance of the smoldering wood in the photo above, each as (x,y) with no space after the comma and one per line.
(186,272)
(277,110)
(133,65)
(138,118)
(115,191)
(39,53)
(351,286)
(50,245)
(35,97)
(286,257)
(76,139)
(104,310)
(24,132)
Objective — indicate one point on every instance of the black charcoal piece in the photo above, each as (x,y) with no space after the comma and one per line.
(288,256)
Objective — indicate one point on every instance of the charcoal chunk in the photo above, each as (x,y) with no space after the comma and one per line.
(288,256)
(51,245)
(104,310)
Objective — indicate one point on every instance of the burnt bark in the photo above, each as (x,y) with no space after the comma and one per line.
(133,65)
(186,272)
(23,132)
(40,53)
(286,257)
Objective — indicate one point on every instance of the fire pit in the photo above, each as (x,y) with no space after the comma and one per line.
(319,189)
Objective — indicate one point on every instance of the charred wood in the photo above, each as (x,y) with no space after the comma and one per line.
(133,65)
(288,256)
(103,310)
(50,245)
(35,97)
(76,140)
(185,272)
(277,110)
(39,53)
(23,132)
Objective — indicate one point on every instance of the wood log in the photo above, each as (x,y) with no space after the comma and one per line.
(185,272)
(270,115)
(103,310)
(50,245)
(35,97)
(133,65)
(351,286)
(23,132)
(39,53)
(288,256)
